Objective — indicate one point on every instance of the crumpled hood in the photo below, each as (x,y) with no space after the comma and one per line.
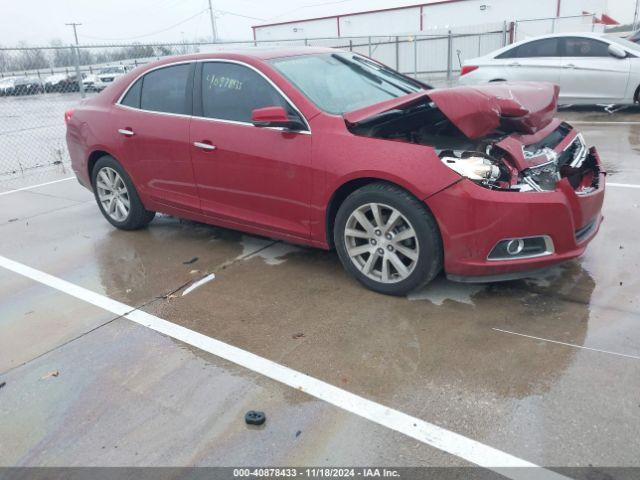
(478,110)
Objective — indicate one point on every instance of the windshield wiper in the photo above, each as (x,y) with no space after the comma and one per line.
(390,72)
(370,75)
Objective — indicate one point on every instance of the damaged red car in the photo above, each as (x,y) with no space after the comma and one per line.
(334,150)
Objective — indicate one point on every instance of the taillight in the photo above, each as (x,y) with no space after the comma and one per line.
(468,69)
(67,115)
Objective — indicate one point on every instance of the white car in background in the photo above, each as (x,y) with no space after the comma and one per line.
(590,68)
(105,77)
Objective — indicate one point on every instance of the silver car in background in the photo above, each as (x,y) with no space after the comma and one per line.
(590,68)
(105,77)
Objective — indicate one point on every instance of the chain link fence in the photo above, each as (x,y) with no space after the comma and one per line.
(38,84)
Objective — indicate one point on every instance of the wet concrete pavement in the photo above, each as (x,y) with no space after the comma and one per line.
(129,396)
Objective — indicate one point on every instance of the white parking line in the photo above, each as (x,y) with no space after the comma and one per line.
(635,357)
(36,186)
(425,432)
(622,185)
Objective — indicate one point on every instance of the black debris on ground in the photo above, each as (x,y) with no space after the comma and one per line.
(253,417)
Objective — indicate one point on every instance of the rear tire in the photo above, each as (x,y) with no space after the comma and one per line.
(117,196)
(387,239)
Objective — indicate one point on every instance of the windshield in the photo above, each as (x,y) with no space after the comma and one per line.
(343,82)
(112,70)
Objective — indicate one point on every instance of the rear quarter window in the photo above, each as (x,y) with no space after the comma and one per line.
(132,98)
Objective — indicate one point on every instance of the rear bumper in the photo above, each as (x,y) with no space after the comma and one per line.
(473,220)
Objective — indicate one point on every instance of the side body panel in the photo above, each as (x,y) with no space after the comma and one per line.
(157,156)
(257,176)
(594,79)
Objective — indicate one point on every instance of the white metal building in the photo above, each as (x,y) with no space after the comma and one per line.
(430,15)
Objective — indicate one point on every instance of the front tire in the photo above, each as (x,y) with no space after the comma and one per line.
(387,239)
(117,197)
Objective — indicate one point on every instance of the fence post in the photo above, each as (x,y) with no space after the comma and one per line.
(306,42)
(351,45)
(76,54)
(397,55)
(553,25)
(449,52)
(504,33)
(415,57)
(369,46)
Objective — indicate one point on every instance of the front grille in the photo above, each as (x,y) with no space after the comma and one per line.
(574,154)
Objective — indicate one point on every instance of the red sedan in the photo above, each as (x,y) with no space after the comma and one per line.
(331,149)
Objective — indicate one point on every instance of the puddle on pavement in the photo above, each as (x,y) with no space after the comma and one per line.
(272,252)
(441,290)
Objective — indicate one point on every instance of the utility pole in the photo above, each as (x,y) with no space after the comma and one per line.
(635,17)
(214,33)
(78,75)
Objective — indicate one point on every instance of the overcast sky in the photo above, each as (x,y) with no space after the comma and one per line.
(37,22)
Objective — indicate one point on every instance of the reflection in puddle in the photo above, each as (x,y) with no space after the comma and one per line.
(442,289)
(269,250)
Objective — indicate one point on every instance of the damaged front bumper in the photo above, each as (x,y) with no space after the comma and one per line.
(474,221)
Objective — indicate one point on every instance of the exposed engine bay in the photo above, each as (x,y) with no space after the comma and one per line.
(490,160)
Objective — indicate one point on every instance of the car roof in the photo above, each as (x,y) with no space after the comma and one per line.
(256,53)
(570,34)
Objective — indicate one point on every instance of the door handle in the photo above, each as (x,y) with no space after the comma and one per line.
(569,65)
(204,146)
(127,132)
(514,64)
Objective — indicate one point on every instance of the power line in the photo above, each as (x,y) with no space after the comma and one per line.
(152,33)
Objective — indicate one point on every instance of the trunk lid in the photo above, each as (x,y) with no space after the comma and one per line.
(524,107)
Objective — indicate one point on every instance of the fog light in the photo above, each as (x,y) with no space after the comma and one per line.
(515,246)
(520,248)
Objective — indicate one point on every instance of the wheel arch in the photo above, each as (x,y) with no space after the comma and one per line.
(347,188)
(94,156)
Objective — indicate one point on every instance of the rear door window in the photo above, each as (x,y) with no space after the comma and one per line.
(231,92)
(166,90)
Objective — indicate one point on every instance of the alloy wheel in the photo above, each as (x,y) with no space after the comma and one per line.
(381,243)
(113,194)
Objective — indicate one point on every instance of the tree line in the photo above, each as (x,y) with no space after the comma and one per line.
(58,55)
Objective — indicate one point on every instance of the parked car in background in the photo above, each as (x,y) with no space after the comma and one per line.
(6,86)
(27,86)
(55,82)
(590,68)
(107,75)
(403,180)
(91,83)
(62,82)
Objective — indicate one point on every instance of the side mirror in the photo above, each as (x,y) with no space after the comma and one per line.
(616,51)
(274,117)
